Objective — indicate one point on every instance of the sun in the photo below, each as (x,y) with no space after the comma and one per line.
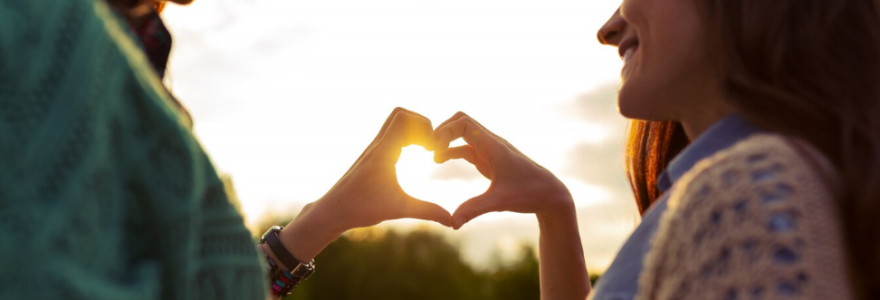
(447,184)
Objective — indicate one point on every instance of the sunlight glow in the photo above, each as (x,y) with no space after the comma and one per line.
(416,168)
(285,95)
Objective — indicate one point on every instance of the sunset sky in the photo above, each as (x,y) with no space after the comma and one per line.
(286,94)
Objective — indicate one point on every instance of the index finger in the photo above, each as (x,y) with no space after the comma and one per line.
(485,143)
(388,120)
(408,128)
(454,117)
(460,115)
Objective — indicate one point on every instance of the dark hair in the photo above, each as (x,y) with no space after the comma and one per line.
(809,69)
(125,6)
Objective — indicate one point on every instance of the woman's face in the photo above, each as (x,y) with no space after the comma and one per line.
(666,74)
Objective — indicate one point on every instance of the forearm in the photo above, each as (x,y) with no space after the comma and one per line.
(562,268)
(308,234)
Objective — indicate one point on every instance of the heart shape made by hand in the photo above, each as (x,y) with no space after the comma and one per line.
(449,184)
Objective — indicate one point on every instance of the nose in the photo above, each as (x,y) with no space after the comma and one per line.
(612,31)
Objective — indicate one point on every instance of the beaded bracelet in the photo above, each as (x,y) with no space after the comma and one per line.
(281,283)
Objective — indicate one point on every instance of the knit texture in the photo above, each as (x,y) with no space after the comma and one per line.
(756,221)
(104,193)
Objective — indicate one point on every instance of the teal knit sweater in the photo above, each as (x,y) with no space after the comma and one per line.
(104,193)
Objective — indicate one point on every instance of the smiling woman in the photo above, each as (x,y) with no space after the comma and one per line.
(751,61)
(779,176)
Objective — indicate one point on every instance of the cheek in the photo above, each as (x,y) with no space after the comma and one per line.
(665,73)
(648,80)
(658,84)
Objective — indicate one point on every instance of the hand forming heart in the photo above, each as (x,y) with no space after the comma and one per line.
(518,183)
(369,192)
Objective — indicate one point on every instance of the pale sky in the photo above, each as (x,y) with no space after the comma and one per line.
(286,94)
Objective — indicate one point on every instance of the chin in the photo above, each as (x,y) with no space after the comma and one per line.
(629,112)
(641,105)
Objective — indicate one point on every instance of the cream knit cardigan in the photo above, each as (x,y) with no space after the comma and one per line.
(755,221)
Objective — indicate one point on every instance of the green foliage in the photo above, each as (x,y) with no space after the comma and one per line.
(390,265)
(375,264)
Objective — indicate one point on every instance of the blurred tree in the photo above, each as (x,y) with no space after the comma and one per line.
(375,263)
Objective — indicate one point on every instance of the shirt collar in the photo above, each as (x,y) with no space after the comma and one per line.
(721,135)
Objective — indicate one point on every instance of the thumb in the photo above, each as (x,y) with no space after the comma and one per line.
(473,208)
(424,210)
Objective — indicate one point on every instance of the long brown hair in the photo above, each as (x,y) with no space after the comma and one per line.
(650,147)
(804,68)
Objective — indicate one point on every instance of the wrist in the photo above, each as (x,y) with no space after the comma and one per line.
(558,211)
(282,279)
(307,235)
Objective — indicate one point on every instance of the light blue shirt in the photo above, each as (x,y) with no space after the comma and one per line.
(620,281)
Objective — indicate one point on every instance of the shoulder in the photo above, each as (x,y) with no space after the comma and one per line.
(762,207)
(769,168)
(70,68)
(51,47)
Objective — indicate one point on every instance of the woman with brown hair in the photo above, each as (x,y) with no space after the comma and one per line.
(755,164)
(754,155)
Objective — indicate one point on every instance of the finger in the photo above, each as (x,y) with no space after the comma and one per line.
(382,130)
(419,209)
(388,122)
(475,207)
(409,128)
(460,115)
(484,143)
(465,152)
(454,117)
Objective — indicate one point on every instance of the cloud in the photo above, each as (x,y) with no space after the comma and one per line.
(596,106)
(456,170)
(599,163)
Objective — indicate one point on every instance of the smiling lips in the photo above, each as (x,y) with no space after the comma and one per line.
(627,49)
